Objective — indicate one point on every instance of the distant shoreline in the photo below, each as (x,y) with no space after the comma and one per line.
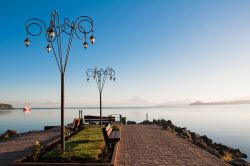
(198,103)
(4,106)
(146,107)
(90,107)
(236,102)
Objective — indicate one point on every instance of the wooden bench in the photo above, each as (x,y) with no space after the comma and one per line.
(77,125)
(110,136)
(96,119)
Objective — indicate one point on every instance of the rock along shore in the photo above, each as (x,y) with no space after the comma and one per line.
(230,155)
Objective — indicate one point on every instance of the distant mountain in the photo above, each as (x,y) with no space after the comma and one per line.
(5,106)
(137,101)
(222,102)
(177,103)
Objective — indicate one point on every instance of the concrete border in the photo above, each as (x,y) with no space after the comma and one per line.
(60,164)
(114,156)
(19,162)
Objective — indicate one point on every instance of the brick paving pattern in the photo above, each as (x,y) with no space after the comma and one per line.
(150,145)
(23,144)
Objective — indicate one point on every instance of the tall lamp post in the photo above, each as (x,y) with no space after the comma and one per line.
(100,75)
(81,27)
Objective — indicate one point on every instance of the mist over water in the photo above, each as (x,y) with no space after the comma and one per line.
(227,124)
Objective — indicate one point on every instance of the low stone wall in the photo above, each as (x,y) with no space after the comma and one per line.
(8,134)
(230,155)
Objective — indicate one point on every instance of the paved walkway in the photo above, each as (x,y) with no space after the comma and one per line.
(22,145)
(150,145)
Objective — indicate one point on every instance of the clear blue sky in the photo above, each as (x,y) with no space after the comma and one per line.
(162,50)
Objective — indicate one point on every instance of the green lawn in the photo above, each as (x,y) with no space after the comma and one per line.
(85,146)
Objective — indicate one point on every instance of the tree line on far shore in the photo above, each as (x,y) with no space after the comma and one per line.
(5,106)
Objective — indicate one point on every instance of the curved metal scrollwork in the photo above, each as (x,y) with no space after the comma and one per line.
(80,27)
(100,75)
(37,23)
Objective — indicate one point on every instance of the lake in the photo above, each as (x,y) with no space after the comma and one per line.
(227,124)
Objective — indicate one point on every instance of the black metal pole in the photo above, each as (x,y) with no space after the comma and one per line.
(53,33)
(101,109)
(62,113)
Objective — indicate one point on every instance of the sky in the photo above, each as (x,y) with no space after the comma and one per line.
(163,51)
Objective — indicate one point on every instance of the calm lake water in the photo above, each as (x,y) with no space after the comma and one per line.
(227,124)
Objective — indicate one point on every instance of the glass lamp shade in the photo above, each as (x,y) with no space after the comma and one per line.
(27,42)
(92,39)
(51,33)
(48,48)
(85,45)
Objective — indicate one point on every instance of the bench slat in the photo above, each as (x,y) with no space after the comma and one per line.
(95,119)
(110,136)
(108,129)
(115,136)
(98,117)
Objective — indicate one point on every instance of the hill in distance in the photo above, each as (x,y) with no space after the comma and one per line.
(221,102)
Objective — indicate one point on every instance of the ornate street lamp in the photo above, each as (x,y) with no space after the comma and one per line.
(80,27)
(100,75)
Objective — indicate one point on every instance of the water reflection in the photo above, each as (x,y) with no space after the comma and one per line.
(226,124)
(26,114)
(2,111)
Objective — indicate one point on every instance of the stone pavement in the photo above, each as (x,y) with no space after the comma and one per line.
(23,144)
(150,145)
